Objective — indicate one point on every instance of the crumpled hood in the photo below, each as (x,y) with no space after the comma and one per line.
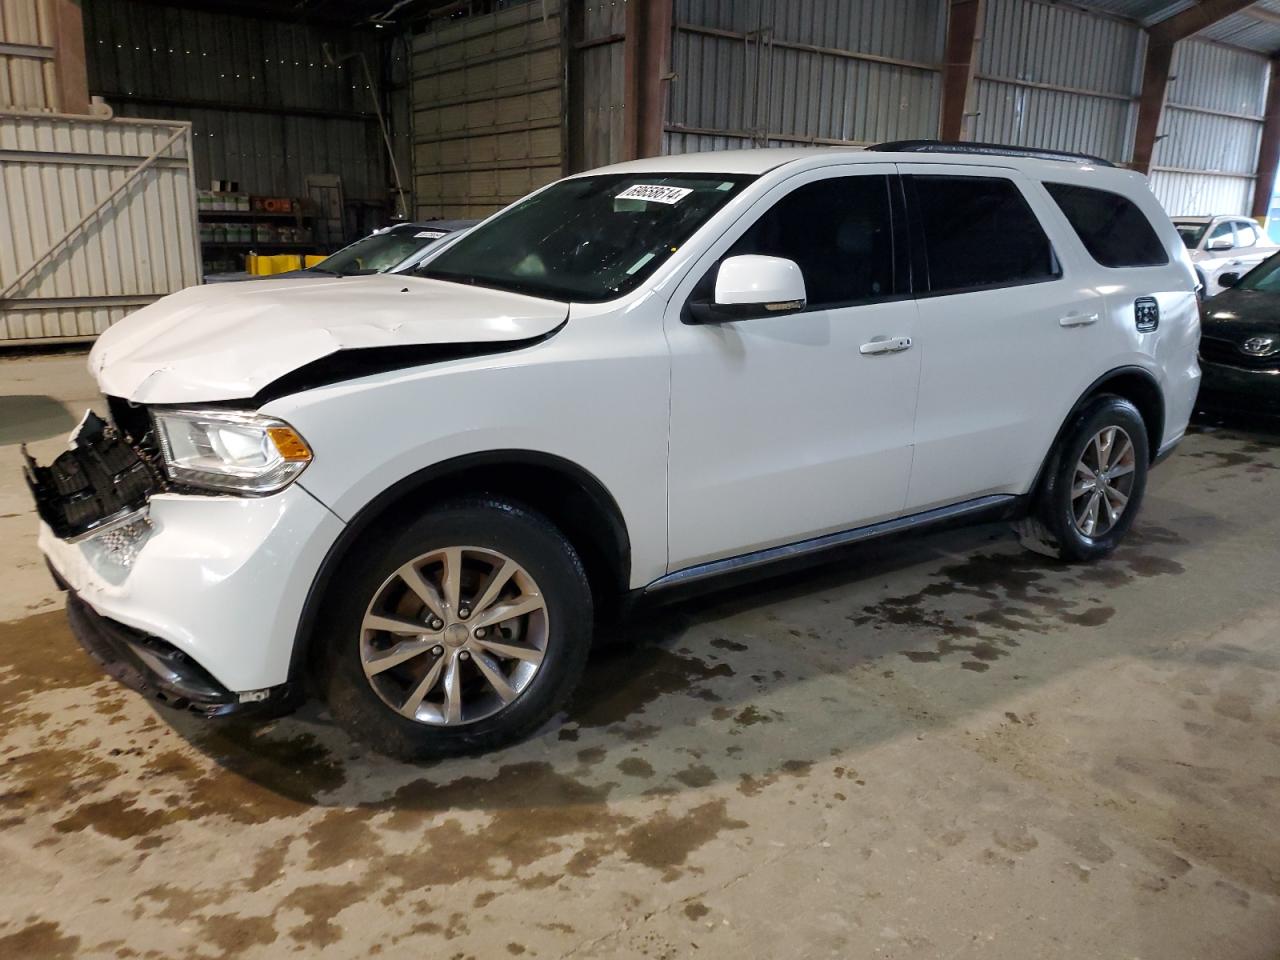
(228,341)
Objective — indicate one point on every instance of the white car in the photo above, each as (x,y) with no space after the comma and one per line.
(414,495)
(1222,246)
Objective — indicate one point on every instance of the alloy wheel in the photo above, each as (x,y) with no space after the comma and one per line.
(1103,482)
(454,636)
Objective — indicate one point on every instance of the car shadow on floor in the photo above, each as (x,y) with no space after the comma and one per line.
(25,418)
(749,684)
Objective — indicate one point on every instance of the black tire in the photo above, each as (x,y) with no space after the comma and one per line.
(1051,528)
(515,531)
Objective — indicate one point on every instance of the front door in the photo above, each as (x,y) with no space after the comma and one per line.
(793,426)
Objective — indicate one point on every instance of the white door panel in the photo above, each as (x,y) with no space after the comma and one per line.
(782,428)
(996,365)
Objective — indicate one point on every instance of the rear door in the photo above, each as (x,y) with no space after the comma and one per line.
(1005,326)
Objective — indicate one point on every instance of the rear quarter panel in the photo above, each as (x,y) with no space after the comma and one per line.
(1170,352)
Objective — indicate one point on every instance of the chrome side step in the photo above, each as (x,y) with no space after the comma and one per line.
(804,548)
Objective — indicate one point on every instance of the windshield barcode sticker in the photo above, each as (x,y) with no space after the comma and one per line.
(654,192)
(430,234)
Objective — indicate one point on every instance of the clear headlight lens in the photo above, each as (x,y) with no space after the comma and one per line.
(230,451)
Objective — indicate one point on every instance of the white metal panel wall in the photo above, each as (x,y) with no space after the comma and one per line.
(1204,163)
(488,105)
(786,72)
(1057,77)
(26,75)
(53,171)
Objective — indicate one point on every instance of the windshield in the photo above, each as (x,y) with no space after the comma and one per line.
(587,239)
(380,252)
(1265,277)
(1191,233)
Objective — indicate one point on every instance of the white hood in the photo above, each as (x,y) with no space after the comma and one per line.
(227,341)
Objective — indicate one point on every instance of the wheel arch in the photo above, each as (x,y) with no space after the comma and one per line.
(1132,383)
(570,496)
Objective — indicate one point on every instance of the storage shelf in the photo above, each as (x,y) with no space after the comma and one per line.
(272,245)
(251,215)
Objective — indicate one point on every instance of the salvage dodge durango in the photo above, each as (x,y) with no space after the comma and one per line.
(415,495)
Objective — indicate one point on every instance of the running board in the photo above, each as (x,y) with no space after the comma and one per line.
(805,548)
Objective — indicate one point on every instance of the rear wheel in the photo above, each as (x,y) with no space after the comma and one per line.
(465,630)
(1093,486)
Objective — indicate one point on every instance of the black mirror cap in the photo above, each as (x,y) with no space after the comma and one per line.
(1228,279)
(706,311)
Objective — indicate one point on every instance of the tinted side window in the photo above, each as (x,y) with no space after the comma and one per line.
(979,232)
(1111,227)
(1246,234)
(1221,230)
(839,232)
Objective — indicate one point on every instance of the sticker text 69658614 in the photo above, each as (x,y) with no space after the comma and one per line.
(654,192)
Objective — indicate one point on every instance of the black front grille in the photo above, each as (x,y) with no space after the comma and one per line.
(1228,352)
(130,419)
(102,476)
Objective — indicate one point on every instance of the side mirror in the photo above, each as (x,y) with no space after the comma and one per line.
(1228,279)
(752,286)
(1221,243)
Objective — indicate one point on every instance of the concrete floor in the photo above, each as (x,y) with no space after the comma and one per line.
(944,747)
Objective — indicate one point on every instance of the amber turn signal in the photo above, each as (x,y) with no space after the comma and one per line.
(291,446)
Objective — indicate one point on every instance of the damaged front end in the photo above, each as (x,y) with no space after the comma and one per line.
(100,484)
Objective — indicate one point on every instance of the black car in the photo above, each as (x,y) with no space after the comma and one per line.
(1240,342)
(381,251)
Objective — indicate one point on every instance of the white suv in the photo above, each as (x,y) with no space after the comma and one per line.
(414,495)
(1223,247)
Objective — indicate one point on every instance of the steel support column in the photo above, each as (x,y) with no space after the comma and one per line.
(964,19)
(1269,148)
(647,53)
(1155,86)
(72,77)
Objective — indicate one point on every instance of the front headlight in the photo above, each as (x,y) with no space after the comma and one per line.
(229,450)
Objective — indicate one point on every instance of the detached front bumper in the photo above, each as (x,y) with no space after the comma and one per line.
(192,599)
(162,672)
(223,580)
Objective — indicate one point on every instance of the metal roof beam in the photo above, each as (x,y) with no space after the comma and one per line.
(1194,19)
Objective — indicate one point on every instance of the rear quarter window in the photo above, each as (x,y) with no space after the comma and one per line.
(1111,227)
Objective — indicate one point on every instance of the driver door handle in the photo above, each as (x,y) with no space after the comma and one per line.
(1077,319)
(885,345)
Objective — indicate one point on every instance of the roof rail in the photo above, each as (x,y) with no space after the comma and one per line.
(986,149)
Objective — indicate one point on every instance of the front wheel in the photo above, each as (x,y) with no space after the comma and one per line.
(1093,485)
(463,631)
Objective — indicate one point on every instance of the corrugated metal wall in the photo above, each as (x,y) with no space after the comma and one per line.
(26,75)
(785,72)
(1211,130)
(56,169)
(1057,77)
(265,107)
(489,110)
